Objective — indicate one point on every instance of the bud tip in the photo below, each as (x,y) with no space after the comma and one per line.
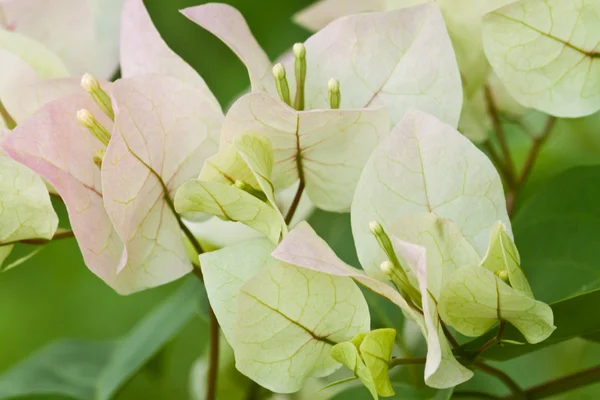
(299,50)
(375,228)
(85,117)
(334,85)
(279,71)
(387,267)
(89,83)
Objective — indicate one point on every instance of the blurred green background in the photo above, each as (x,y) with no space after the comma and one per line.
(55,296)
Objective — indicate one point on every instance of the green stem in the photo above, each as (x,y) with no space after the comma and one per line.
(518,393)
(499,130)
(58,235)
(290,214)
(213,360)
(8,119)
(562,385)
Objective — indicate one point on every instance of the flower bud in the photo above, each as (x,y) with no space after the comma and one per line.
(300,74)
(87,119)
(281,83)
(91,85)
(503,275)
(335,96)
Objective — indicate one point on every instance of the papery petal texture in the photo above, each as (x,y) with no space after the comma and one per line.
(228,24)
(143,50)
(425,165)
(164,130)
(547,53)
(54,145)
(326,149)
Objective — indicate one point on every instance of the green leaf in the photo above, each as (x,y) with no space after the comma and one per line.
(230,203)
(4,253)
(557,234)
(425,165)
(367,356)
(546,53)
(93,370)
(249,162)
(226,270)
(474,299)
(25,208)
(287,321)
(403,392)
(502,256)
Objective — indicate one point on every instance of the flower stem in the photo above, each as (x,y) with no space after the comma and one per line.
(499,130)
(561,385)
(535,149)
(63,234)
(290,214)
(213,361)
(496,339)
(518,393)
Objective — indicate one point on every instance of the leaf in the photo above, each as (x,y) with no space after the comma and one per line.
(226,270)
(94,370)
(326,149)
(544,64)
(347,354)
(303,248)
(66,161)
(415,64)
(288,319)
(474,299)
(403,392)
(41,60)
(163,131)
(230,203)
(5,252)
(502,255)
(25,208)
(442,370)
(249,161)
(446,247)
(228,24)
(426,166)
(143,51)
(562,268)
(376,350)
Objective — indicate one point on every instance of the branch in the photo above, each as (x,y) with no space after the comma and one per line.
(535,149)
(290,214)
(499,130)
(62,234)
(561,385)
(213,360)
(406,361)
(518,393)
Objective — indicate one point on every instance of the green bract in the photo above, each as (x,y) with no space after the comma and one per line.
(425,165)
(281,321)
(235,185)
(367,356)
(546,53)
(25,208)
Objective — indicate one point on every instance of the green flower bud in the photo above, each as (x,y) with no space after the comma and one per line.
(91,85)
(87,119)
(282,84)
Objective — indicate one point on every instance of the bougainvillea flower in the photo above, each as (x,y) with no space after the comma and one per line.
(415,68)
(281,321)
(163,130)
(412,224)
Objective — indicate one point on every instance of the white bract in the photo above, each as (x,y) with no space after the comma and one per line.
(547,54)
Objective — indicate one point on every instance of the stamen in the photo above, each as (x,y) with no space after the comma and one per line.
(282,84)
(91,85)
(335,96)
(300,74)
(87,119)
